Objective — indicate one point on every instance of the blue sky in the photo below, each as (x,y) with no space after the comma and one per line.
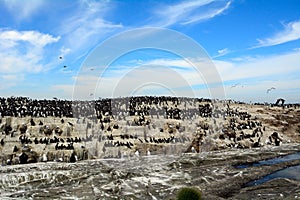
(254,45)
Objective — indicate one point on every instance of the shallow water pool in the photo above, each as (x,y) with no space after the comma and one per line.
(273,161)
(289,172)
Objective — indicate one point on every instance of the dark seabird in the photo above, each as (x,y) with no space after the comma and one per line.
(70,124)
(15,149)
(32,123)
(2,142)
(23,158)
(73,158)
(235,85)
(272,88)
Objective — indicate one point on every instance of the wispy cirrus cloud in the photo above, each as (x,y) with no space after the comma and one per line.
(290,32)
(222,52)
(87,25)
(189,12)
(23,10)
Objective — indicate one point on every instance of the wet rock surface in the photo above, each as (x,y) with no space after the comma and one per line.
(154,177)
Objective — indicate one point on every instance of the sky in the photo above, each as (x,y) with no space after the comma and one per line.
(73,49)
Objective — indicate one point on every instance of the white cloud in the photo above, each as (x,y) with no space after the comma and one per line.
(181,63)
(291,32)
(23,9)
(188,12)
(276,65)
(176,75)
(222,52)
(32,51)
(64,51)
(207,15)
(256,91)
(254,74)
(10,80)
(12,77)
(22,51)
(35,38)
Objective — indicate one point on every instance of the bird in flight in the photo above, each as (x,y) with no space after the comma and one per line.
(235,85)
(269,90)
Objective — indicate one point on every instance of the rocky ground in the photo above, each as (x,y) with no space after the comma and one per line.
(153,177)
(132,156)
(230,125)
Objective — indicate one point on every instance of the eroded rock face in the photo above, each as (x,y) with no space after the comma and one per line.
(149,137)
(152,177)
(149,125)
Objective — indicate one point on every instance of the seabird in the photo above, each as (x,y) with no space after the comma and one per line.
(32,123)
(272,88)
(2,142)
(44,158)
(137,153)
(70,124)
(234,85)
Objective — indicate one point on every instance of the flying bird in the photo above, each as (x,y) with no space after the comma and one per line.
(234,85)
(269,90)
(91,94)
(65,66)
(60,57)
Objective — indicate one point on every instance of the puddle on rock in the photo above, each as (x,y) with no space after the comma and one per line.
(289,172)
(273,161)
